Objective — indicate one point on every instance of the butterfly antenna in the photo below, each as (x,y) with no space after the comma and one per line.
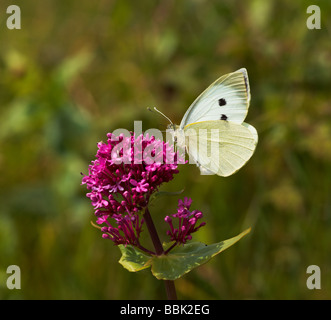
(160,114)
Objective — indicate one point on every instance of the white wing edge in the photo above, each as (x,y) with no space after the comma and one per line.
(248,89)
(204,171)
(252,130)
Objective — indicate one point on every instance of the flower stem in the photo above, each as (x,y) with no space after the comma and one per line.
(139,246)
(170,289)
(169,284)
(152,231)
(171,247)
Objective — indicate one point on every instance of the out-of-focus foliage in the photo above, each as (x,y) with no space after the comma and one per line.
(79,69)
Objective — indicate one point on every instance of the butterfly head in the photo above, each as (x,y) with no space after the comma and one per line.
(172,126)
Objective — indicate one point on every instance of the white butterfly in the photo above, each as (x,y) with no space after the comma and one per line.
(212,130)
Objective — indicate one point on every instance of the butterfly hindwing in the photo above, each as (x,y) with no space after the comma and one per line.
(220,147)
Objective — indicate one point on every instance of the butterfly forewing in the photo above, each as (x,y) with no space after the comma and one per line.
(226,99)
(212,129)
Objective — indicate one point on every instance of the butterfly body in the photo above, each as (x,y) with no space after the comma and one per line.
(212,130)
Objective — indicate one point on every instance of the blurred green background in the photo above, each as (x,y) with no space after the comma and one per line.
(79,69)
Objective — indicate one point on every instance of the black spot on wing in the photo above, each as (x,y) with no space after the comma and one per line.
(223,117)
(221,102)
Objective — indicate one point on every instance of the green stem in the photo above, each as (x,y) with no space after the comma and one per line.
(169,284)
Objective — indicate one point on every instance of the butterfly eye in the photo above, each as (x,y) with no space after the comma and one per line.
(221,102)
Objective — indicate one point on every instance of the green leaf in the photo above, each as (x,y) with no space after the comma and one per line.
(132,259)
(181,260)
(184,258)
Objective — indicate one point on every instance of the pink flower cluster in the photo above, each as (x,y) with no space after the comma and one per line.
(128,229)
(126,172)
(187,221)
